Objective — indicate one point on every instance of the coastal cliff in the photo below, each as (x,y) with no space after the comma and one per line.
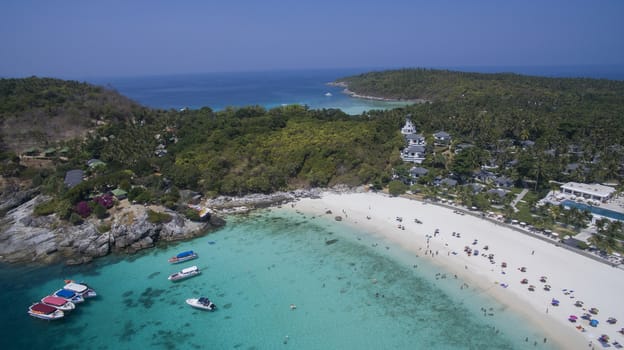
(25,238)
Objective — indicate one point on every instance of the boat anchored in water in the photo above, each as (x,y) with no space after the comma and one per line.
(184,273)
(45,312)
(59,303)
(69,296)
(202,303)
(80,289)
(182,257)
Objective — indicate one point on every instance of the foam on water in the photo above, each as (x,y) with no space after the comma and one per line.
(352,293)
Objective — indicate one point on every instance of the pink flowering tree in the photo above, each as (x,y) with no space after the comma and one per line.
(83,209)
(105,200)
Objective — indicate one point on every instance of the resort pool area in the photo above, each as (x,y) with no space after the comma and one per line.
(594,210)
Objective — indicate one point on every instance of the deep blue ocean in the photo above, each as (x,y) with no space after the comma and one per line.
(275,88)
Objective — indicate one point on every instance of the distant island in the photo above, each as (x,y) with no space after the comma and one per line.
(346,90)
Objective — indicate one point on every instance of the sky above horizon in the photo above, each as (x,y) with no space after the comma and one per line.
(71,39)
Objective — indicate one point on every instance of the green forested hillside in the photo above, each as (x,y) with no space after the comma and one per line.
(37,111)
(485,108)
(249,149)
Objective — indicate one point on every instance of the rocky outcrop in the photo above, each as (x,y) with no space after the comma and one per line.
(226,204)
(26,238)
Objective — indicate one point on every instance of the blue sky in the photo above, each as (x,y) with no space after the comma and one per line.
(70,38)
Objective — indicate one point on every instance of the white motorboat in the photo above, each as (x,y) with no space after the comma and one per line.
(58,302)
(45,312)
(202,303)
(185,273)
(80,289)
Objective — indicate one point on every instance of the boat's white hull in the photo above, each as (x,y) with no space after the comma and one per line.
(179,276)
(181,260)
(90,293)
(196,304)
(53,316)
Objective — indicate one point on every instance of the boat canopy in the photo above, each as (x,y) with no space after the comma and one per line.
(56,301)
(43,308)
(189,269)
(64,293)
(76,287)
(185,254)
(204,300)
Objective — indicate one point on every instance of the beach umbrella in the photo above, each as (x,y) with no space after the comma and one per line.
(578,303)
(594,311)
(572,318)
(554,302)
(612,320)
(593,323)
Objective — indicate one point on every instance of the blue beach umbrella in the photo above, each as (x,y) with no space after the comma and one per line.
(593,323)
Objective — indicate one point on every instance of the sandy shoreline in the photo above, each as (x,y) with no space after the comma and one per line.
(596,284)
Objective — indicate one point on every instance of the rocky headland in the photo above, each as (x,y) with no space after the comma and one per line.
(27,238)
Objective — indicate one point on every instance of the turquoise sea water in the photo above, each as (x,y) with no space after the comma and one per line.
(307,87)
(268,89)
(356,293)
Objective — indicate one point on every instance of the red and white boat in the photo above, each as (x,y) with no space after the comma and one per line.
(45,312)
(59,303)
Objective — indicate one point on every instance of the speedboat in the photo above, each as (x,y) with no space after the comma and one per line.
(202,303)
(59,303)
(182,257)
(184,273)
(45,312)
(81,289)
(69,296)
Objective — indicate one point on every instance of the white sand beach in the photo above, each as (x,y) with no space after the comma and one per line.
(572,277)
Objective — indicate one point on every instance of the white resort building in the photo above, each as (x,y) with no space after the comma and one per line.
(414,151)
(595,192)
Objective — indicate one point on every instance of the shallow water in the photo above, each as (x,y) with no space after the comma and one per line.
(353,293)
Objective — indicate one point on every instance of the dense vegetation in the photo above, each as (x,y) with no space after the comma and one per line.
(36,111)
(154,154)
(496,112)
